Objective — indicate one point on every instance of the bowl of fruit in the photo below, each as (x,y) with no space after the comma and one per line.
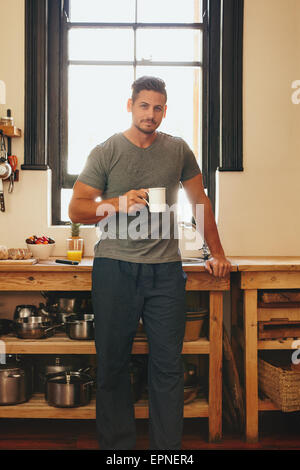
(40,247)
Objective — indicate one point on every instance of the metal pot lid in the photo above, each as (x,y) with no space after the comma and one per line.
(67,377)
(80,319)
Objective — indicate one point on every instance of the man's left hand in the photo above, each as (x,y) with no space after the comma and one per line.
(219,266)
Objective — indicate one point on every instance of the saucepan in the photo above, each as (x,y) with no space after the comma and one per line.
(69,389)
(34,328)
(51,364)
(80,326)
(15,382)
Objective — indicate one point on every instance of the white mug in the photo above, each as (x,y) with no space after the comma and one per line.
(157,199)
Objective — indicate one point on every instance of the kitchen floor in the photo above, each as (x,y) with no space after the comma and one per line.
(277,431)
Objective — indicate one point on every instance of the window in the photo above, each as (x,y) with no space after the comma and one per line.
(110,44)
(81,58)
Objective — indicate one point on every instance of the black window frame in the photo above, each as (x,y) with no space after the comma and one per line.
(46,23)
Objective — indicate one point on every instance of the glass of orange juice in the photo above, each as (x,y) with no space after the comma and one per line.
(74,249)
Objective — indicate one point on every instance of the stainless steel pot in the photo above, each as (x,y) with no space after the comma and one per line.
(80,327)
(60,317)
(69,389)
(34,328)
(65,305)
(25,311)
(64,302)
(15,384)
(57,365)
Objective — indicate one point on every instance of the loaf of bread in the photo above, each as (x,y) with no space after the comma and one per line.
(19,253)
(3,252)
(27,254)
(13,253)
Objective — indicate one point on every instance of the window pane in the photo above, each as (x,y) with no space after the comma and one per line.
(103,11)
(170,11)
(104,44)
(97,108)
(169,45)
(184,113)
(66,195)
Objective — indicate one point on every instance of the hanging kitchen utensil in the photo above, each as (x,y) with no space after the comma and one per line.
(2,203)
(5,170)
(13,161)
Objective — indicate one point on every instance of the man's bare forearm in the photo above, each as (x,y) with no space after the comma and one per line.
(211,234)
(87,211)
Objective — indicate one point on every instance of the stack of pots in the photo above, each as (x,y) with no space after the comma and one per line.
(50,365)
(74,312)
(195,323)
(30,323)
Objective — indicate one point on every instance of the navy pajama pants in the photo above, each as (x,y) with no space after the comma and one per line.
(122,293)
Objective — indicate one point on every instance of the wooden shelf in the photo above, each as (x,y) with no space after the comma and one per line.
(62,344)
(264,344)
(267,314)
(37,407)
(51,276)
(11,131)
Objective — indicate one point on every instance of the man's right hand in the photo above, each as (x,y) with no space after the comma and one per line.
(130,201)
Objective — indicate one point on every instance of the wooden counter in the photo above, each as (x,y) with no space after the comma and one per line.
(49,276)
(256,273)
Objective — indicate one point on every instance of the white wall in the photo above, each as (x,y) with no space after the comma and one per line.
(28,207)
(258,208)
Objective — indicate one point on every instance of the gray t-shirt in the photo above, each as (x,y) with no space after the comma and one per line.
(117,166)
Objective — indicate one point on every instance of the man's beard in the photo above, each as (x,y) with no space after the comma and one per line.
(145,131)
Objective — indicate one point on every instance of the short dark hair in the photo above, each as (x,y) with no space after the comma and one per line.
(148,83)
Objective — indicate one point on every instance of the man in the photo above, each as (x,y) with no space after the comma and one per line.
(140,277)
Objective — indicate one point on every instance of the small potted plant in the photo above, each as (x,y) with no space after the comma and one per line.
(75,243)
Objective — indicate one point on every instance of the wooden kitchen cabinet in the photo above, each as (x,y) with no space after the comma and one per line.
(254,274)
(51,276)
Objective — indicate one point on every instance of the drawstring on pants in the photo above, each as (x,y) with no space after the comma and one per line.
(151,268)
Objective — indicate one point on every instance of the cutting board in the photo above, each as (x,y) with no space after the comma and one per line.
(10,262)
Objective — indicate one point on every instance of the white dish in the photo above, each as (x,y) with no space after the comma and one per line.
(41,251)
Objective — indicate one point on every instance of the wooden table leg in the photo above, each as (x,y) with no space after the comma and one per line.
(251,381)
(215,365)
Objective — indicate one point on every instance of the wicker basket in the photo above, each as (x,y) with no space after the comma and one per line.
(280,383)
